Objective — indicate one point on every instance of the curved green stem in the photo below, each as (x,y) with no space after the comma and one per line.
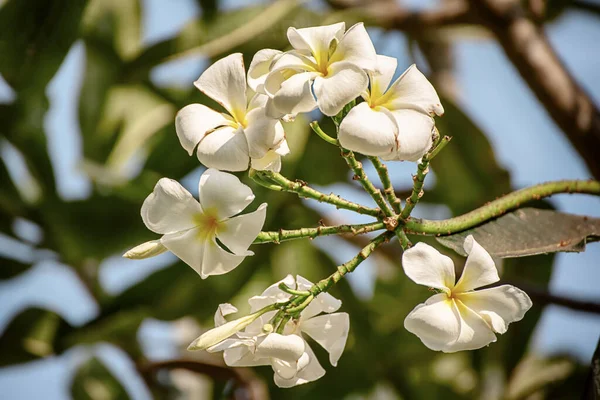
(303,190)
(499,207)
(359,173)
(317,129)
(283,235)
(388,188)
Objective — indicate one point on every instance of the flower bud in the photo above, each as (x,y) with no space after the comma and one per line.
(146,250)
(220,333)
(267,328)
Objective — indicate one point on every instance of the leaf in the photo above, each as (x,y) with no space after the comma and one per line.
(32,334)
(93,381)
(529,231)
(35,38)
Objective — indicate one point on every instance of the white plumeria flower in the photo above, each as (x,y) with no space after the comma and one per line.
(290,356)
(326,69)
(245,136)
(190,228)
(394,124)
(460,318)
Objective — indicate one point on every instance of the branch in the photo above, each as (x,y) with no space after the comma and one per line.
(283,235)
(388,188)
(499,207)
(303,190)
(255,388)
(529,50)
(393,16)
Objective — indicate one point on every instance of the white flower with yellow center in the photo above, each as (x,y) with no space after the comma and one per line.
(326,69)
(245,136)
(190,228)
(394,124)
(288,353)
(460,318)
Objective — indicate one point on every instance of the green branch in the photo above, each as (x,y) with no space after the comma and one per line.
(303,190)
(388,188)
(419,178)
(283,235)
(359,174)
(499,207)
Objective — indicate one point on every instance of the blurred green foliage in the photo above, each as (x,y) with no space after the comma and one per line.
(122,113)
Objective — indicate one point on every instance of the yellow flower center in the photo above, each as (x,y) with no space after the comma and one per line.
(208,223)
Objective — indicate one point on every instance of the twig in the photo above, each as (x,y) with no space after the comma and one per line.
(283,235)
(499,207)
(388,188)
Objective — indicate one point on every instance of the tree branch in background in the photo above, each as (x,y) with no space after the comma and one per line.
(254,388)
(529,50)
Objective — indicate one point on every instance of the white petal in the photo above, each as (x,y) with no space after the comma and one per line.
(260,67)
(427,266)
(242,356)
(225,82)
(223,310)
(272,294)
(294,95)
(330,331)
(223,192)
(324,302)
(270,162)
(415,135)
(344,83)
(145,250)
(224,149)
(169,208)
(316,39)
(355,47)
(384,72)
(474,331)
(188,246)
(368,131)
(289,63)
(287,348)
(479,270)
(311,372)
(218,261)
(233,343)
(498,306)
(436,322)
(413,90)
(193,121)
(239,232)
(262,133)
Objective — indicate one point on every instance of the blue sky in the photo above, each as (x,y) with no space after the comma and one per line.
(525,140)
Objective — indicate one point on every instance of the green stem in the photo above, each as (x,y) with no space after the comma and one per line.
(295,292)
(283,235)
(279,329)
(360,175)
(303,190)
(325,284)
(388,188)
(499,207)
(401,235)
(302,306)
(317,129)
(252,174)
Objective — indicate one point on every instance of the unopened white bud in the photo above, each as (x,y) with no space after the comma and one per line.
(146,250)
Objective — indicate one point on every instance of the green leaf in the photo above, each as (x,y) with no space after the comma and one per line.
(93,381)
(530,231)
(32,334)
(35,38)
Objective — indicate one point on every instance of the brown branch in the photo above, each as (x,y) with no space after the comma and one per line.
(390,15)
(529,50)
(254,388)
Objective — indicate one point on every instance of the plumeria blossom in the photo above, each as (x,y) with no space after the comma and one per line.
(394,123)
(326,69)
(244,135)
(288,353)
(190,228)
(459,318)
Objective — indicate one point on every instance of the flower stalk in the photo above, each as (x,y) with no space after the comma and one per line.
(303,190)
(311,233)
(388,188)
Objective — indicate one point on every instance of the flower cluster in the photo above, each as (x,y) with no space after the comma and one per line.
(287,352)
(327,68)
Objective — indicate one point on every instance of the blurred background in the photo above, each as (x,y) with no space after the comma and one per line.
(88,95)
